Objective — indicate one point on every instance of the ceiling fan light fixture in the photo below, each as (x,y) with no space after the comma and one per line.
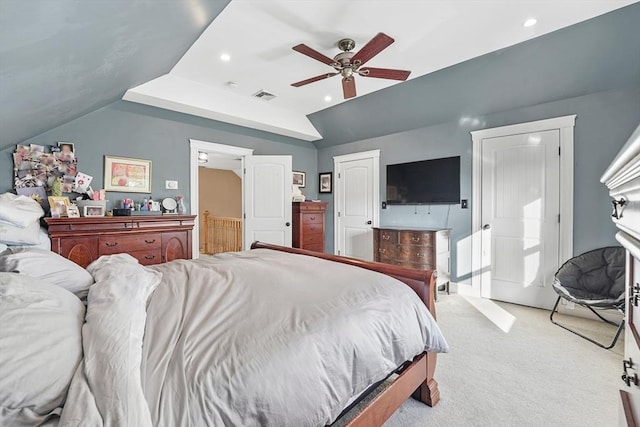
(347,63)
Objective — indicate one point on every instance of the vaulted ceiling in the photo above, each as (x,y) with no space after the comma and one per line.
(60,60)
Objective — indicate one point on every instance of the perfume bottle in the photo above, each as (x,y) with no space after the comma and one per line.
(181,209)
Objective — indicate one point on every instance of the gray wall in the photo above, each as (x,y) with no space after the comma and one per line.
(604,122)
(132,130)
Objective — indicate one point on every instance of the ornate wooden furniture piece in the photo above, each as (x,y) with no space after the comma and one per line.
(417,248)
(308,225)
(414,377)
(622,178)
(150,239)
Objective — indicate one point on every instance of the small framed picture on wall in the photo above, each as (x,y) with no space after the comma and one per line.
(299,179)
(326,181)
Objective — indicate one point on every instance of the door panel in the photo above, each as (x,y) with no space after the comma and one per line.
(355,208)
(267,200)
(520,214)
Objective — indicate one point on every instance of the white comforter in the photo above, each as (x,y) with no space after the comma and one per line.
(244,339)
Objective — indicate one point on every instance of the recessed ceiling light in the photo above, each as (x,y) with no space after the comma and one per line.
(225,57)
(530,22)
(328,98)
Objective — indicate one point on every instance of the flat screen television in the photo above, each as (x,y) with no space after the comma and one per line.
(435,181)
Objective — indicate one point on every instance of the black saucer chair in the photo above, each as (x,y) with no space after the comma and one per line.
(594,280)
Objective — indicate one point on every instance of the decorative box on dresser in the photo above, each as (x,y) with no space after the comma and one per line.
(622,178)
(308,225)
(151,239)
(418,248)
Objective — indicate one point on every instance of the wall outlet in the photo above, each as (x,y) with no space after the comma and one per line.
(171,185)
(464,204)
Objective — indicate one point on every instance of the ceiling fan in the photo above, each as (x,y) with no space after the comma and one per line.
(348,63)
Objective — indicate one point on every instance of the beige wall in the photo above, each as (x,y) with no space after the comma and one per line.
(220,193)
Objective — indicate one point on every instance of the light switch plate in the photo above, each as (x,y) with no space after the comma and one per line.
(171,185)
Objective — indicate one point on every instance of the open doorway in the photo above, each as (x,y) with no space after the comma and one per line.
(221,161)
(219,203)
(266,192)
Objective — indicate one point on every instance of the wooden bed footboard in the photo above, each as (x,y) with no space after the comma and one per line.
(417,375)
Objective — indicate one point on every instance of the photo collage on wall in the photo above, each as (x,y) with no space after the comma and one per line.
(35,167)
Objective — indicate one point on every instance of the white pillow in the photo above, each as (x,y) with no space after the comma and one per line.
(48,266)
(40,348)
(19,210)
(11,234)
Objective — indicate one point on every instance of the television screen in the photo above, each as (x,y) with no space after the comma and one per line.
(435,181)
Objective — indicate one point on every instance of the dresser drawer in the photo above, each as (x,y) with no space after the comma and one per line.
(135,242)
(313,227)
(415,265)
(415,238)
(312,218)
(387,250)
(318,247)
(149,257)
(312,238)
(389,236)
(415,254)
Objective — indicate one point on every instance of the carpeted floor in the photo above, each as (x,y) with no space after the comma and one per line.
(519,371)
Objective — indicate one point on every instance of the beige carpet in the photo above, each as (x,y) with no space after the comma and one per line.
(535,374)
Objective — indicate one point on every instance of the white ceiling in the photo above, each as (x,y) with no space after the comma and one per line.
(258,36)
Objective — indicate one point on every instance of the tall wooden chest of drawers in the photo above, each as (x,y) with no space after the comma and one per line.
(418,248)
(150,239)
(308,225)
(622,178)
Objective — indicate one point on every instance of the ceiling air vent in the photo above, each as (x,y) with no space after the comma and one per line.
(263,94)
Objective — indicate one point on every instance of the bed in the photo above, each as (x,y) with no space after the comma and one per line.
(271,336)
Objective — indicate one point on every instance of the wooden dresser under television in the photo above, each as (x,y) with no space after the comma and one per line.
(418,248)
(308,225)
(151,239)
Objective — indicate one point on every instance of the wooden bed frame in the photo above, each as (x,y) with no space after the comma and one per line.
(416,377)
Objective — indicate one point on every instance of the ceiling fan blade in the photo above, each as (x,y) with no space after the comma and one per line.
(376,45)
(384,73)
(349,87)
(306,50)
(313,79)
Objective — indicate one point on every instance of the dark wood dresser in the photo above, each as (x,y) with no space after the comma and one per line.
(308,225)
(150,239)
(622,178)
(417,248)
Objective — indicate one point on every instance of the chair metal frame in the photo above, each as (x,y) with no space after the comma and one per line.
(619,325)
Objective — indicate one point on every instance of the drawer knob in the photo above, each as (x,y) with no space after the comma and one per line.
(415,239)
(149,256)
(150,241)
(71,227)
(385,237)
(628,379)
(312,218)
(382,250)
(419,255)
(111,244)
(618,206)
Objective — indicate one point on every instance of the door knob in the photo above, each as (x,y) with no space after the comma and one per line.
(486,226)
(287,224)
(368,222)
